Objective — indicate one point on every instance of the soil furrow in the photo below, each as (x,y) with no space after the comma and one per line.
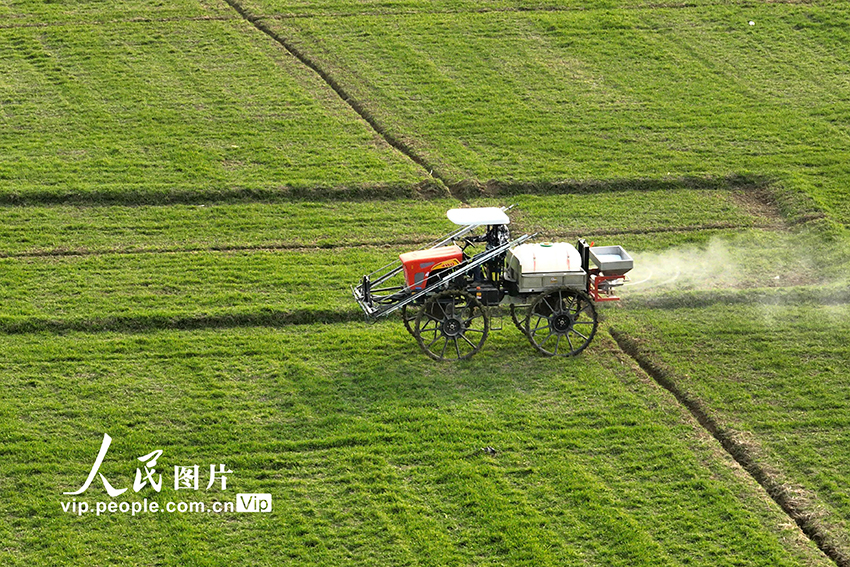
(203,196)
(762,196)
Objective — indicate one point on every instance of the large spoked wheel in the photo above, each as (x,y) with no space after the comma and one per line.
(408,315)
(451,325)
(561,322)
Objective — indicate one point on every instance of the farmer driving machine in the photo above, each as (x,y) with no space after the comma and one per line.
(447,293)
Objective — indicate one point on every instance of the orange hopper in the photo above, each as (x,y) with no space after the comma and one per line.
(418,264)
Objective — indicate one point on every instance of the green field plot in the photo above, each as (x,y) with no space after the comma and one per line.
(134,110)
(374,455)
(772,372)
(135,291)
(540,96)
(64,230)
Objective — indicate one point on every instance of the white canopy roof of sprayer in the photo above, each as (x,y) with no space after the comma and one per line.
(479,216)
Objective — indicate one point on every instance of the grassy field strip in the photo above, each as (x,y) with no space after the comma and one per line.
(125,20)
(33,230)
(147,286)
(768,377)
(169,108)
(647,237)
(34,12)
(373,454)
(70,229)
(115,291)
(532,97)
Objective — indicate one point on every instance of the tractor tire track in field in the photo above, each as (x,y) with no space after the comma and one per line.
(800,510)
(224,248)
(353,103)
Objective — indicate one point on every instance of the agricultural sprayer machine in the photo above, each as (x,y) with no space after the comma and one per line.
(448,293)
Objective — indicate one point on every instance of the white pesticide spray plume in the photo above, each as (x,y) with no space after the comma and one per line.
(683,268)
(721,263)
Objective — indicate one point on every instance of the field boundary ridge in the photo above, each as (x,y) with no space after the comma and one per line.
(132,197)
(188,322)
(796,207)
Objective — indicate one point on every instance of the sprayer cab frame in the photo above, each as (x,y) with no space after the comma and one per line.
(448,293)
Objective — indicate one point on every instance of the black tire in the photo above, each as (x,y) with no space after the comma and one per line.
(561,322)
(451,325)
(518,319)
(408,316)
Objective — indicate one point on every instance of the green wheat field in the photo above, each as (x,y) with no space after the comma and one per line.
(189,188)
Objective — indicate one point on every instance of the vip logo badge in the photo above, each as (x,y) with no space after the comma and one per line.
(253,502)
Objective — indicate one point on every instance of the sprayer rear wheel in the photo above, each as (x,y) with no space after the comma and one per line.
(451,325)
(561,322)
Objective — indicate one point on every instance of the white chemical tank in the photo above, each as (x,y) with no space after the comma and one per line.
(539,266)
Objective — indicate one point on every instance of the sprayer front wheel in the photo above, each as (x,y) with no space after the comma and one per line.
(561,322)
(408,316)
(451,325)
(519,320)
